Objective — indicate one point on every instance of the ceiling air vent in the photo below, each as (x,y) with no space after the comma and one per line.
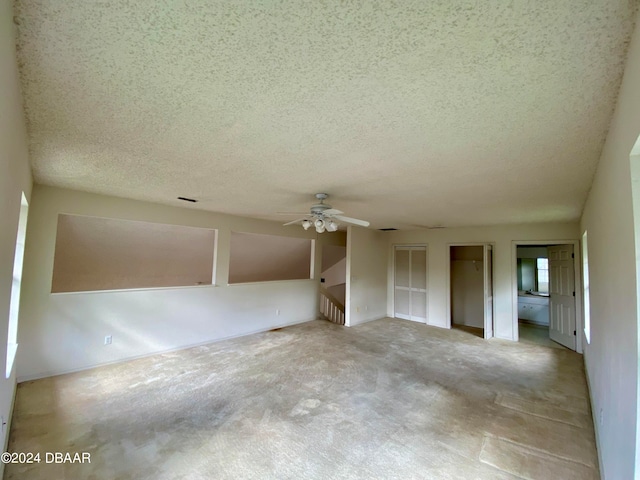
(387,229)
(192,200)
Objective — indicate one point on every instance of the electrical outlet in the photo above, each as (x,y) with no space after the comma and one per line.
(108,340)
(4,424)
(366,308)
(277,311)
(357,309)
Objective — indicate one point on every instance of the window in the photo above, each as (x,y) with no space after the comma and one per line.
(14,305)
(542,275)
(587,302)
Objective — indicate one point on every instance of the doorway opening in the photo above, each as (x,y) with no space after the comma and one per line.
(546,303)
(471,289)
(333,281)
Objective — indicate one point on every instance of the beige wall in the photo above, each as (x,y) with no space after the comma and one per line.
(334,271)
(65,332)
(366,276)
(265,258)
(15,178)
(337,273)
(93,253)
(612,357)
(502,237)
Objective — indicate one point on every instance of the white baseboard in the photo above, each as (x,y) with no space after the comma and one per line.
(594,417)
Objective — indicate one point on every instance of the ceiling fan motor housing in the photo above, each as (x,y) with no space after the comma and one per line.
(324,216)
(319,208)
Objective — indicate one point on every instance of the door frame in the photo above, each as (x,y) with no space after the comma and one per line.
(487,251)
(493,277)
(578,283)
(393,278)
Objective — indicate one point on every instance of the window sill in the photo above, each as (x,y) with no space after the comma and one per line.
(141,289)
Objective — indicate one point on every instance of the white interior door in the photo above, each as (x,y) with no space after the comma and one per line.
(488,291)
(410,289)
(562,300)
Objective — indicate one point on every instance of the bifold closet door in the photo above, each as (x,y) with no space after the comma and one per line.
(419,284)
(411,283)
(403,283)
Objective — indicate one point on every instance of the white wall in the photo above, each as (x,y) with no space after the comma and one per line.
(65,332)
(336,274)
(612,357)
(15,177)
(635,179)
(335,279)
(366,276)
(439,241)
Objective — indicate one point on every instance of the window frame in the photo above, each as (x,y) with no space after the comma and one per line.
(537,275)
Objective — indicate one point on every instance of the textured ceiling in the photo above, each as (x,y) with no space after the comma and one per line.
(412,112)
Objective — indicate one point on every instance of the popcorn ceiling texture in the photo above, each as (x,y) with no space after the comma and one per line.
(441,112)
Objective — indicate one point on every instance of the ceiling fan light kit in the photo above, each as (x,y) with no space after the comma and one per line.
(322,216)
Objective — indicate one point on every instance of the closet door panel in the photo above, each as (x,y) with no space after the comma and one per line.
(403,265)
(418,306)
(419,269)
(402,303)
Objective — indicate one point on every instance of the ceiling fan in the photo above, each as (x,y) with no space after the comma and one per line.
(323,217)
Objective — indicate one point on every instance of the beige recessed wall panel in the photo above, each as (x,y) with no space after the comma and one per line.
(265,258)
(94,253)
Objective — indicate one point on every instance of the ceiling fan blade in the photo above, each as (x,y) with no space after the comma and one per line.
(332,211)
(355,221)
(292,213)
(295,221)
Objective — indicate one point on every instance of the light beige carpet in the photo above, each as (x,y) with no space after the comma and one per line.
(390,399)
